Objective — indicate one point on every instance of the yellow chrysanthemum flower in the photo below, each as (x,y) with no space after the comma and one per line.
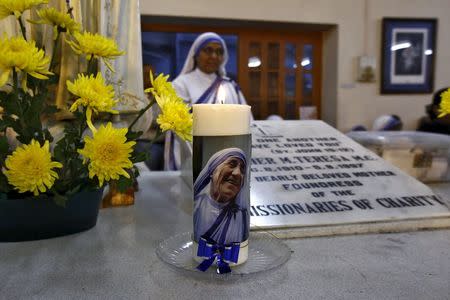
(160,86)
(95,45)
(18,54)
(175,113)
(94,94)
(444,107)
(108,153)
(174,116)
(29,168)
(58,19)
(17,7)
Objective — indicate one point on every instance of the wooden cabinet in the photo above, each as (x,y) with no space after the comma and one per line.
(280,72)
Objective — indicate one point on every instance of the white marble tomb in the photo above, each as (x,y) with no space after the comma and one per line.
(307,178)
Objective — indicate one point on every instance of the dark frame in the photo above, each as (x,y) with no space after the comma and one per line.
(408,53)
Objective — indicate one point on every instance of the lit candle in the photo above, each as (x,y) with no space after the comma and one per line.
(221,94)
(221,172)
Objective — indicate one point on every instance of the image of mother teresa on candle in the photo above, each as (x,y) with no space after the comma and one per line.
(221,199)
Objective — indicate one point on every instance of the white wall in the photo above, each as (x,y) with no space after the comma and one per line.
(357,103)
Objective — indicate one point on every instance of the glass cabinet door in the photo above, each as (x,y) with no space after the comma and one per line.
(273,78)
(254,98)
(280,76)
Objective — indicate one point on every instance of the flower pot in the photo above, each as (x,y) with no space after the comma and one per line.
(34,219)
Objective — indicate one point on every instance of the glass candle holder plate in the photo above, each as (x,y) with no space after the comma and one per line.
(265,253)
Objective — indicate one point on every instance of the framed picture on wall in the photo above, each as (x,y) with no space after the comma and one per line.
(408,50)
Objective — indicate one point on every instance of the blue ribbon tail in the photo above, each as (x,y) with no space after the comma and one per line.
(204,265)
(223,267)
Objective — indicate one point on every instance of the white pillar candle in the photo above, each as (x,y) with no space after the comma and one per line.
(221,132)
(221,119)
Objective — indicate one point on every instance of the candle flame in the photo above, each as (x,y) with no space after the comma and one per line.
(221,94)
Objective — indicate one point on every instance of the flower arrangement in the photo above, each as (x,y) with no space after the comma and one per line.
(85,157)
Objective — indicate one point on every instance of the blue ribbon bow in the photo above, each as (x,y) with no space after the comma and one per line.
(224,254)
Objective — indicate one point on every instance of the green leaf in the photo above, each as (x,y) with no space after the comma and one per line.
(58,152)
(53,79)
(3,125)
(4,146)
(4,187)
(3,97)
(135,172)
(132,135)
(47,135)
(10,104)
(139,157)
(7,121)
(51,109)
(60,200)
(75,190)
(33,112)
(123,184)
